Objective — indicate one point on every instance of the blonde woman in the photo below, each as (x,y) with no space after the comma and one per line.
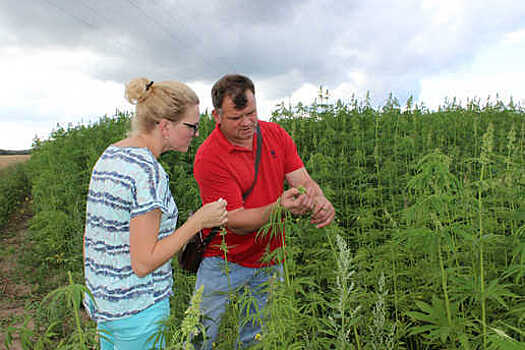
(131,216)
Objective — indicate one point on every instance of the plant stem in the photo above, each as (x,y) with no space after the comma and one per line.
(77,316)
(481,270)
(444,283)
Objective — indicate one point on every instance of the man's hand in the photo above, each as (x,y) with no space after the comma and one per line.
(323,212)
(298,203)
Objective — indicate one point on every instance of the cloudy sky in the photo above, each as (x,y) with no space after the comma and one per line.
(66,61)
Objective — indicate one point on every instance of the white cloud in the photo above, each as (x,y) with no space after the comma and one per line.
(46,87)
(515,38)
(19,135)
(56,85)
(444,12)
(468,86)
(496,70)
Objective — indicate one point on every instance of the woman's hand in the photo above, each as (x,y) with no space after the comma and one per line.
(212,214)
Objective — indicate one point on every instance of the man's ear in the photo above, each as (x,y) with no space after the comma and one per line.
(217,116)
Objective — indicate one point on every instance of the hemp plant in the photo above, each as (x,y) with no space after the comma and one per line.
(435,188)
(68,300)
(485,160)
(224,248)
(276,226)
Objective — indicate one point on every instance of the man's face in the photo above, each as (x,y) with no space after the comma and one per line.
(238,125)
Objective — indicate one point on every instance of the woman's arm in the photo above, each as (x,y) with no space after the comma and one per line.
(148,252)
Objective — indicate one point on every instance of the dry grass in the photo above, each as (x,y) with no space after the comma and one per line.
(8,160)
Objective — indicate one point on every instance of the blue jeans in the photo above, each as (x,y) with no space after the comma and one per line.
(212,275)
(134,332)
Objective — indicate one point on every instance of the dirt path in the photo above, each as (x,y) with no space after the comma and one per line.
(15,291)
(8,160)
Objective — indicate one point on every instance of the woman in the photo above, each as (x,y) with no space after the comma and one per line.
(130,235)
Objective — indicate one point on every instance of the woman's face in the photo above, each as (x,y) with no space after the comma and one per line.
(181,133)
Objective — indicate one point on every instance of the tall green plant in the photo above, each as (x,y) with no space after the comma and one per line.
(14,187)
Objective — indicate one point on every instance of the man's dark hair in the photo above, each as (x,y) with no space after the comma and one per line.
(233,85)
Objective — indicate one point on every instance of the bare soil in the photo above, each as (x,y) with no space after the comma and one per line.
(8,160)
(15,291)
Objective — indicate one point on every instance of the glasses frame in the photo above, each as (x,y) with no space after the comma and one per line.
(195,127)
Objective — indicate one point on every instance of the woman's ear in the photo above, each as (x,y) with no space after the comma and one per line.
(163,126)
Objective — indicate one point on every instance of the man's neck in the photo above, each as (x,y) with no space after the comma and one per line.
(248,143)
(244,143)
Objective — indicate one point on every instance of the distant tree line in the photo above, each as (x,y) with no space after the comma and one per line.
(4,152)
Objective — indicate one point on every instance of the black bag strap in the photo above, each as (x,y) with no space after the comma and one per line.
(245,195)
(257,159)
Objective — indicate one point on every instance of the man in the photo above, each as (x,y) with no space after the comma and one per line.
(225,168)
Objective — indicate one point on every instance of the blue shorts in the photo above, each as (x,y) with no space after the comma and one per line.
(136,332)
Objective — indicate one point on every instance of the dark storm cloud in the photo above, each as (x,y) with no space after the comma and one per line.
(321,42)
(196,41)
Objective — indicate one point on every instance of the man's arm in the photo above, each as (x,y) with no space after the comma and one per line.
(243,221)
(323,211)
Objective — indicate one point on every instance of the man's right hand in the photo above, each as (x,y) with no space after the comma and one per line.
(298,203)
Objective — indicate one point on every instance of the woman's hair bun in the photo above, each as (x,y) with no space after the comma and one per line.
(138,89)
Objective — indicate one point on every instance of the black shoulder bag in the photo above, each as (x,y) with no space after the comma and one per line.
(190,256)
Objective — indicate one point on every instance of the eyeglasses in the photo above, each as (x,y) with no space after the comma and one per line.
(195,127)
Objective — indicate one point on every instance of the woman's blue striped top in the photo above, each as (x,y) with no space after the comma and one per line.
(126,182)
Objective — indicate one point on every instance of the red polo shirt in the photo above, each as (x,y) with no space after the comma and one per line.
(224,170)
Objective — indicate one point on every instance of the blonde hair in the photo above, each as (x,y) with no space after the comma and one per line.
(156,101)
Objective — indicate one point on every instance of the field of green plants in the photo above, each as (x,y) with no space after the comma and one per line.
(427,251)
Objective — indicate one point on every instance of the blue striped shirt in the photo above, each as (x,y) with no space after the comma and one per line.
(126,182)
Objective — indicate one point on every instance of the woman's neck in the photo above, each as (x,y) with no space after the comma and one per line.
(148,141)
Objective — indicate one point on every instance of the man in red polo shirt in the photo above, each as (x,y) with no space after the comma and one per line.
(225,168)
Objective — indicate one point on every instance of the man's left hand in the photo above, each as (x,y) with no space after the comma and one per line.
(323,212)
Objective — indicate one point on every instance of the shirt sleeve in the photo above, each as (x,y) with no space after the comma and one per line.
(216,182)
(148,190)
(292,159)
